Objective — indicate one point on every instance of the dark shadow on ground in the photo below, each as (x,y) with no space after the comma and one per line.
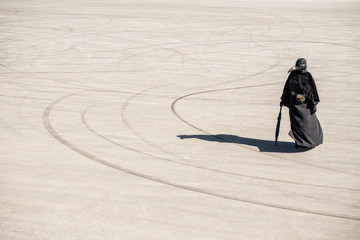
(262,145)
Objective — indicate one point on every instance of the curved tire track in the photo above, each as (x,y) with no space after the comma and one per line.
(128,125)
(58,137)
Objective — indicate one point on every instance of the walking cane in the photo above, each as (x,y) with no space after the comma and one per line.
(278,127)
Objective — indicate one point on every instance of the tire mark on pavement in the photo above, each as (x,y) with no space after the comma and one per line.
(58,137)
(127,123)
(173,108)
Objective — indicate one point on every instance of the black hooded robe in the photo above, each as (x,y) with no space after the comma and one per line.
(305,126)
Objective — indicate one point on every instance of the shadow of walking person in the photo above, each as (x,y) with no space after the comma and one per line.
(262,145)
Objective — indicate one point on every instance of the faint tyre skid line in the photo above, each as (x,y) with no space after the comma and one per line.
(58,137)
(251,149)
(128,125)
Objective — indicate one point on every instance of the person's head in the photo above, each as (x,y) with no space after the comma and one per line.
(301,64)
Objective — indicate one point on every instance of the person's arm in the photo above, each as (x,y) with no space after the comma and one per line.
(314,95)
(285,97)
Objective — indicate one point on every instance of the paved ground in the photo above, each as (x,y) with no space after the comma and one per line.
(155,120)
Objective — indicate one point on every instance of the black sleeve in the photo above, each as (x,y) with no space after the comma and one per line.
(285,97)
(314,92)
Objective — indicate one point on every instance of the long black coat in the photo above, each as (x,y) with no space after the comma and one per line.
(305,126)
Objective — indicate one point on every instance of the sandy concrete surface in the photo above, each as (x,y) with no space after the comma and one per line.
(155,120)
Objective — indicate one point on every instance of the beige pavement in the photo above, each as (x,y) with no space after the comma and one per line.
(155,120)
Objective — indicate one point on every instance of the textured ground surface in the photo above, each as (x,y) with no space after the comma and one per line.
(155,120)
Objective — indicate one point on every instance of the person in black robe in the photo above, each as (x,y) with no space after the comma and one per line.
(301,97)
